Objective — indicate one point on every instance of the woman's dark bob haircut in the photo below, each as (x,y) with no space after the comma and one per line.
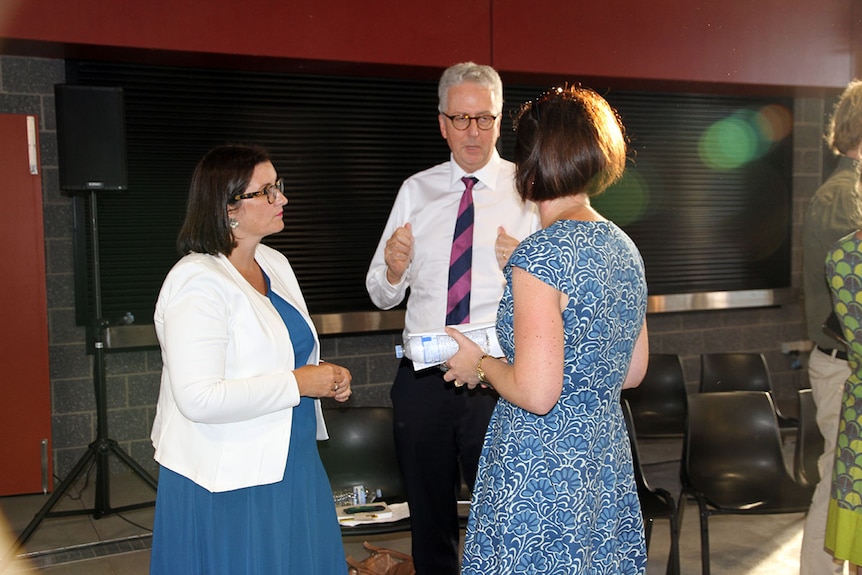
(568,141)
(221,174)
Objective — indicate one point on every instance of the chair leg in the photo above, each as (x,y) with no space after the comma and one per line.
(675,568)
(704,536)
(648,530)
(673,565)
(673,558)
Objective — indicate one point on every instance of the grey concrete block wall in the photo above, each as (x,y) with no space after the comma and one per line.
(27,87)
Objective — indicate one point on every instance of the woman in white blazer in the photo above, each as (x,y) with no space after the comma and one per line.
(241,486)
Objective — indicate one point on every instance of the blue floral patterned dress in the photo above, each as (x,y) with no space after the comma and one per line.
(556,493)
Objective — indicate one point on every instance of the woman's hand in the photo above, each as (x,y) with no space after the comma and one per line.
(462,365)
(324,380)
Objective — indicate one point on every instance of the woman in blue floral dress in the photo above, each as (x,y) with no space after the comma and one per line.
(556,493)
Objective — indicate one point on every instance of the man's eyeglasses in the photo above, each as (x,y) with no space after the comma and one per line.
(271,192)
(462,121)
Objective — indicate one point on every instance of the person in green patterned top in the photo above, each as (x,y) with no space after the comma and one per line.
(844,519)
(833,212)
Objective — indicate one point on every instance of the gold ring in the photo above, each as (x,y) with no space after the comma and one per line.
(457,383)
(335,388)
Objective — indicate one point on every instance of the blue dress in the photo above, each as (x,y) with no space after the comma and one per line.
(286,528)
(556,493)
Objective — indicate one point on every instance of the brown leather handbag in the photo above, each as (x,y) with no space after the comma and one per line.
(381,561)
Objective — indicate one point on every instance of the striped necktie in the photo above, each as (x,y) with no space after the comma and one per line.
(460,262)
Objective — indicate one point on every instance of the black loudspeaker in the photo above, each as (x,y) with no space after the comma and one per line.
(91,137)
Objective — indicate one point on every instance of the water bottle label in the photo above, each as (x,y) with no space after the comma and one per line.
(431,351)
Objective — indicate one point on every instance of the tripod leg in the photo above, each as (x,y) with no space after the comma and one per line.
(102,502)
(134,466)
(59,491)
(102,505)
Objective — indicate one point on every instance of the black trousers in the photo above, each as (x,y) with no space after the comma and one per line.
(439,431)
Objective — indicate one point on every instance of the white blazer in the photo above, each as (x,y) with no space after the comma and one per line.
(227,392)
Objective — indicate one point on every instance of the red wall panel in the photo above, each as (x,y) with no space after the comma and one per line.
(763,42)
(790,43)
(25,392)
(380,32)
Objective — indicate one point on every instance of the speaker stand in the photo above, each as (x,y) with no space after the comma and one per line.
(98,451)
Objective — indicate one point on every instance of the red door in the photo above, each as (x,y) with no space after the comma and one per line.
(25,394)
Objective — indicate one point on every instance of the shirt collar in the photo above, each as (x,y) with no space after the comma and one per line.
(487,174)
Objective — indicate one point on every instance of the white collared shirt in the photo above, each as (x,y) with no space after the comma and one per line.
(429,201)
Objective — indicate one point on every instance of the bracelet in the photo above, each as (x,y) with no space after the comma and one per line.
(480,372)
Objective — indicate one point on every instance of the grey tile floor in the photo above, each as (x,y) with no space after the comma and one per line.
(118,544)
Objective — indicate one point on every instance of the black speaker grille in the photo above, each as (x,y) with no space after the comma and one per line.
(344,144)
(91,137)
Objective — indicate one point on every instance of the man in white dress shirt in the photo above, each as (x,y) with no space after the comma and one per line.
(439,428)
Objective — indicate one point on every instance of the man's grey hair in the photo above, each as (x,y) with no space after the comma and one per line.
(470,72)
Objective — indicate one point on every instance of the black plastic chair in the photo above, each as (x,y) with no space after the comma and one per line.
(743,371)
(361,451)
(656,503)
(658,404)
(809,441)
(732,461)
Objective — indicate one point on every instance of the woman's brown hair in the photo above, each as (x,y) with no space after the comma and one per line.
(220,175)
(568,141)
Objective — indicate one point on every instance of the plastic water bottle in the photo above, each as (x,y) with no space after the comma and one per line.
(356,495)
(435,348)
(430,349)
(364,496)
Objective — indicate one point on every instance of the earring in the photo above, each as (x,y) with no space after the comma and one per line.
(234,224)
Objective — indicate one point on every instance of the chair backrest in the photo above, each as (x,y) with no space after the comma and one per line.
(361,450)
(734,372)
(640,480)
(658,404)
(809,441)
(732,451)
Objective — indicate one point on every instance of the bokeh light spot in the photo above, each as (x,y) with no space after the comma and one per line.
(734,141)
(775,122)
(626,201)
(728,144)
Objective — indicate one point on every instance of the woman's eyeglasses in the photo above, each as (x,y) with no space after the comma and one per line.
(271,192)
